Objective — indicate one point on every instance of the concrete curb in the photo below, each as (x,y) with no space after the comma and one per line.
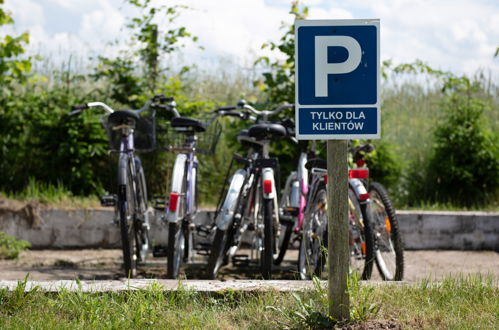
(175,285)
(93,228)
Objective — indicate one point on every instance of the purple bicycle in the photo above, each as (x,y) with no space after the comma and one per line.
(130,131)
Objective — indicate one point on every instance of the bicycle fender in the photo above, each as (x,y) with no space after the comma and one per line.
(358,187)
(268,175)
(122,169)
(224,217)
(177,182)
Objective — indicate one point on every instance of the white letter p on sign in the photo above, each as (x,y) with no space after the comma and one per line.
(323,68)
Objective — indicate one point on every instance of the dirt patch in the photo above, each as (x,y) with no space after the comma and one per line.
(106,265)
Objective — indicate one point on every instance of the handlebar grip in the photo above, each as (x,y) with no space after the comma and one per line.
(79,107)
(162,99)
(226,108)
(234,114)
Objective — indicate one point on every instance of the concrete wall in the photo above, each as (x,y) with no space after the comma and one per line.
(450,230)
(53,228)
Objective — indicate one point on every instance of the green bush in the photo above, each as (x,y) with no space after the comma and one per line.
(464,162)
(10,247)
(385,165)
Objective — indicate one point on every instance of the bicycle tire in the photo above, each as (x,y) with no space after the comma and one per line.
(288,225)
(175,251)
(217,254)
(387,235)
(313,244)
(126,210)
(142,226)
(284,244)
(267,258)
(361,237)
(176,230)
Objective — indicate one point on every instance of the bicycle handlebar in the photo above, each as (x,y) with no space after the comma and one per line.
(171,106)
(263,113)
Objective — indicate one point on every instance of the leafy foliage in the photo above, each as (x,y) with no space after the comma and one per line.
(278,83)
(464,163)
(459,168)
(12,68)
(10,247)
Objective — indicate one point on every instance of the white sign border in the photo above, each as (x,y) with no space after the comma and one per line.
(339,22)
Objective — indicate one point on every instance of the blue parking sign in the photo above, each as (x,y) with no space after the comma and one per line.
(337,79)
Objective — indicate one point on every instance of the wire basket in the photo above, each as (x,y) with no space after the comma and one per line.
(168,138)
(144,134)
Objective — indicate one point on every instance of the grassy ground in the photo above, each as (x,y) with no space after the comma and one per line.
(471,302)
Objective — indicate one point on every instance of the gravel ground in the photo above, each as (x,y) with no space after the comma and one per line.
(106,264)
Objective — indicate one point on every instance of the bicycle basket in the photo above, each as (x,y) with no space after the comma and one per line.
(144,134)
(168,138)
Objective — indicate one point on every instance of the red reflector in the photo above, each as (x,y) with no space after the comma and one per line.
(267,186)
(358,174)
(360,162)
(364,197)
(325,179)
(173,201)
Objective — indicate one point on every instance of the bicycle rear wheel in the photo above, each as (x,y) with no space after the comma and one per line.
(175,252)
(126,207)
(267,258)
(142,222)
(177,230)
(389,250)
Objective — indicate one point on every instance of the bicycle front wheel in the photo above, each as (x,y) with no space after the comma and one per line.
(389,250)
(361,238)
(313,244)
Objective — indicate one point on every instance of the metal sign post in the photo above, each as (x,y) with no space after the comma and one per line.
(337,98)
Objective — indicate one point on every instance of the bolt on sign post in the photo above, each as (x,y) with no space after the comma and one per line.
(337,99)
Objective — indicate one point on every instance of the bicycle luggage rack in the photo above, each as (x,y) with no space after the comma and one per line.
(108,200)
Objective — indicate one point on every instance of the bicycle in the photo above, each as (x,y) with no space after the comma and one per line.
(314,239)
(389,249)
(182,208)
(250,202)
(129,131)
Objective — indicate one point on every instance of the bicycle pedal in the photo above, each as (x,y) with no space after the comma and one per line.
(240,260)
(288,216)
(291,211)
(159,251)
(108,200)
(203,249)
(160,202)
(204,231)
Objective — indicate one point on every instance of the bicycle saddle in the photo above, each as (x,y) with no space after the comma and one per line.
(267,131)
(316,163)
(184,122)
(121,116)
(246,140)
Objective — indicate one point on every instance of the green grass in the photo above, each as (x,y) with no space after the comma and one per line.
(457,303)
(51,195)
